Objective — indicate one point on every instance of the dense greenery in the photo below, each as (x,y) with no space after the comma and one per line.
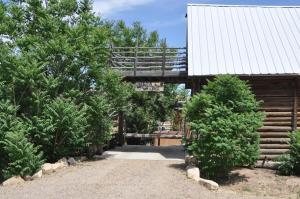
(58,97)
(147,108)
(224,119)
(289,164)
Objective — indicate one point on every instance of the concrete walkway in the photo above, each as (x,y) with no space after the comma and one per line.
(133,152)
(131,172)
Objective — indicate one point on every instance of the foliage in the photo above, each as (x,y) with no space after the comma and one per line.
(24,158)
(289,164)
(55,80)
(99,117)
(61,129)
(148,108)
(224,119)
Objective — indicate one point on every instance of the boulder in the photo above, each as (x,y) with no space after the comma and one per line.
(190,160)
(28,178)
(209,184)
(98,157)
(72,161)
(83,158)
(47,168)
(37,175)
(193,172)
(13,181)
(63,162)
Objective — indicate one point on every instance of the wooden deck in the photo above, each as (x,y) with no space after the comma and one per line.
(150,63)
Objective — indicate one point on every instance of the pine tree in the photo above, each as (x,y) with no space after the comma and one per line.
(23,158)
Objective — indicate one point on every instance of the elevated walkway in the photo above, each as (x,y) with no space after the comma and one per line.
(150,63)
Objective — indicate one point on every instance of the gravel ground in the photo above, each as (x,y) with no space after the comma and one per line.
(121,177)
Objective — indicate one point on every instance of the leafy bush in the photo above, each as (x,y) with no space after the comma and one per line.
(224,119)
(99,113)
(61,129)
(24,159)
(289,164)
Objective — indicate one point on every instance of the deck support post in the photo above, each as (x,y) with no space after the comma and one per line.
(121,137)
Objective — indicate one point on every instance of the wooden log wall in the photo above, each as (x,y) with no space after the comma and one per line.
(280,103)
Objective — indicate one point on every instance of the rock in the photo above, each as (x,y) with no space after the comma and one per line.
(193,172)
(211,185)
(28,178)
(13,181)
(83,158)
(190,160)
(37,175)
(98,157)
(64,162)
(72,161)
(47,168)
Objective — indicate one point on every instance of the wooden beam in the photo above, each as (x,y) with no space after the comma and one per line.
(121,138)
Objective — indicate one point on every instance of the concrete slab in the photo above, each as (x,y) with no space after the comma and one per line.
(134,152)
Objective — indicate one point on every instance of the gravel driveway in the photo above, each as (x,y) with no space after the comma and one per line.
(126,173)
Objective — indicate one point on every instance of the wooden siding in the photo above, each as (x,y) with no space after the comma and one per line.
(279,98)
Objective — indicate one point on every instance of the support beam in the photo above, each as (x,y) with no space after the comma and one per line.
(121,137)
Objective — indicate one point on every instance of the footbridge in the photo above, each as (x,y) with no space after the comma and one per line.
(150,63)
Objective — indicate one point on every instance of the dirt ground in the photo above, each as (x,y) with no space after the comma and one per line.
(148,173)
(262,182)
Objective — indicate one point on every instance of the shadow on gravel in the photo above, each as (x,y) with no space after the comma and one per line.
(232,179)
(178,166)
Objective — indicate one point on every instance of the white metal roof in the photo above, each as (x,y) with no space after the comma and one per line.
(243,40)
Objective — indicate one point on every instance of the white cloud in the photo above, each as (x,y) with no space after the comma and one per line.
(109,7)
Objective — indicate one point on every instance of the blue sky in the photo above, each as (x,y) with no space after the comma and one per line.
(165,16)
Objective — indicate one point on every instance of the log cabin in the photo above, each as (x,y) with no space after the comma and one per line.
(259,44)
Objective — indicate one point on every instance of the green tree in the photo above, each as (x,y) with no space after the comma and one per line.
(224,119)
(61,129)
(23,157)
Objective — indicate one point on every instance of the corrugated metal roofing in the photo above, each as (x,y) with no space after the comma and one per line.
(243,40)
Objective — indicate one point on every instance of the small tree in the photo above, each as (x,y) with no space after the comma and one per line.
(23,158)
(61,129)
(224,119)
(289,164)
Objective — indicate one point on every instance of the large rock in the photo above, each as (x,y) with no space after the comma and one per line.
(211,185)
(62,163)
(190,160)
(37,175)
(72,161)
(193,172)
(47,168)
(13,181)
(28,178)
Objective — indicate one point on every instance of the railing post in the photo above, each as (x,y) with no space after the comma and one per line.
(135,59)
(164,59)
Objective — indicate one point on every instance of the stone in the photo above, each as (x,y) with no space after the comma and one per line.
(190,160)
(64,162)
(28,178)
(72,161)
(193,172)
(209,184)
(13,181)
(98,157)
(47,168)
(83,158)
(37,175)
